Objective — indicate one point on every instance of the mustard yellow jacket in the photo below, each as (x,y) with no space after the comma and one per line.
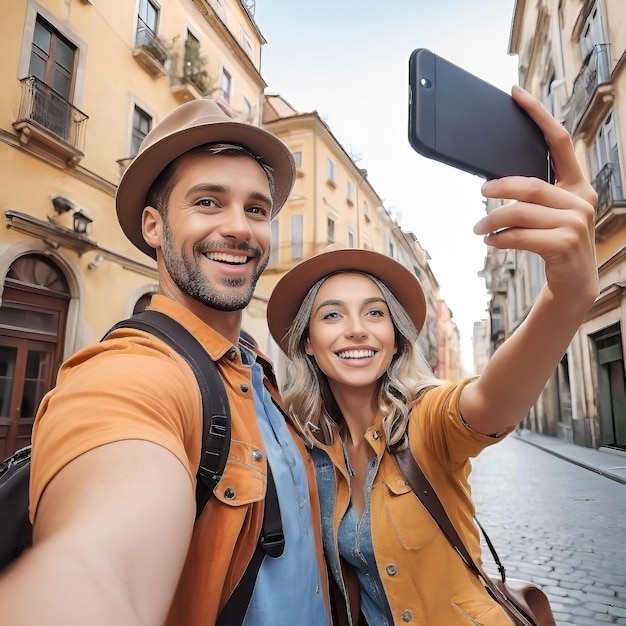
(425,580)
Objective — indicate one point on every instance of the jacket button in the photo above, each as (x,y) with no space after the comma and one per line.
(257,455)
(376,435)
(229,493)
(407,616)
(243,387)
(391,569)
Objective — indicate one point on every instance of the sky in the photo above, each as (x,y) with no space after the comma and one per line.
(348,61)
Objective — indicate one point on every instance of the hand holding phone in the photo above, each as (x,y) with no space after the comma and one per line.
(463,121)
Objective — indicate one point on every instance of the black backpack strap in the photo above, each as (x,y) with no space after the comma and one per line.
(215,443)
(271,543)
(215,407)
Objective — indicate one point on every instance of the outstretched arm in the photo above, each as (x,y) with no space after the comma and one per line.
(110,538)
(557,223)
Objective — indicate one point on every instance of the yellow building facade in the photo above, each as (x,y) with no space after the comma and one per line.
(83,82)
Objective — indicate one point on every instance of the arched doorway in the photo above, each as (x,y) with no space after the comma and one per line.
(32,331)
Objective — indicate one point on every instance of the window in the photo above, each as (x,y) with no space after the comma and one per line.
(147,20)
(192,50)
(52,59)
(350,240)
(391,250)
(330,171)
(350,192)
(330,230)
(246,42)
(605,165)
(297,243)
(226,84)
(592,34)
(366,211)
(142,123)
(274,256)
(297,157)
(605,149)
(549,95)
(246,111)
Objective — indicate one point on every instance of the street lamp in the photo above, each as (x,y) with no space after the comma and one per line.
(81,222)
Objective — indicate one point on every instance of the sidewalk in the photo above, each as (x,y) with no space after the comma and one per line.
(609,464)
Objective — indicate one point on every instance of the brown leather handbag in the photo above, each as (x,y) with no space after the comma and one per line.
(523,601)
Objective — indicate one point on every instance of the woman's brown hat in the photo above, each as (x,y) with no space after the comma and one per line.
(293,287)
(191,125)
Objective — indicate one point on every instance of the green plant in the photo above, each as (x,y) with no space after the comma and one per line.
(194,66)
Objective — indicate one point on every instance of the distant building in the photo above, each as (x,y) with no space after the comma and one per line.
(480,344)
(333,201)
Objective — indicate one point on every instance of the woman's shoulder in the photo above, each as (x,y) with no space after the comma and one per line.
(443,395)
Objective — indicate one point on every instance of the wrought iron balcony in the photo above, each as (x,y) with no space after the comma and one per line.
(596,70)
(51,120)
(611,202)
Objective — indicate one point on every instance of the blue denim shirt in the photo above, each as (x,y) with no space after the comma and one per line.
(288,589)
(354,542)
(357,549)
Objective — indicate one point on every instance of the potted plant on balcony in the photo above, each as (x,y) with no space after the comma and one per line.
(194,66)
(189,65)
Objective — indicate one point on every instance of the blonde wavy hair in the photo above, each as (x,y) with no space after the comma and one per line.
(307,394)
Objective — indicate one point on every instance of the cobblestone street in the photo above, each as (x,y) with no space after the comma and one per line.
(558,524)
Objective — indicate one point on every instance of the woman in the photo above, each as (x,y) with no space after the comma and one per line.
(357,385)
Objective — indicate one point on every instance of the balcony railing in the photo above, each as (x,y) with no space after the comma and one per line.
(147,40)
(608,186)
(44,107)
(596,70)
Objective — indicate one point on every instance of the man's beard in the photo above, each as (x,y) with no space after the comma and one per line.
(188,276)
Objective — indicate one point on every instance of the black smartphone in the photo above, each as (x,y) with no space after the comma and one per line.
(463,121)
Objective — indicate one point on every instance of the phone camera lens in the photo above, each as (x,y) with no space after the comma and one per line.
(424,82)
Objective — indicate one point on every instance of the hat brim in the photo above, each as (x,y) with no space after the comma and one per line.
(292,288)
(130,199)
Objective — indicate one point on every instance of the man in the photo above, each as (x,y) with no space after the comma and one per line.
(117,442)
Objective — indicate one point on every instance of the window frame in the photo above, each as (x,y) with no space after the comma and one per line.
(50,60)
(137,135)
(297,236)
(226,78)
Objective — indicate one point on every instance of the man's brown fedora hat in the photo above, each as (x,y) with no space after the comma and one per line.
(191,125)
(292,288)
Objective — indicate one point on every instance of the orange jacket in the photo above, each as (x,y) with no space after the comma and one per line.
(103,396)
(425,580)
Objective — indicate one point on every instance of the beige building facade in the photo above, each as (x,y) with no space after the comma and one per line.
(572,55)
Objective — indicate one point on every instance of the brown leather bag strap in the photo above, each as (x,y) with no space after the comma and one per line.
(421,487)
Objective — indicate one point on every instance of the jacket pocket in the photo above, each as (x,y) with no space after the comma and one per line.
(483,616)
(244,479)
(413,525)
